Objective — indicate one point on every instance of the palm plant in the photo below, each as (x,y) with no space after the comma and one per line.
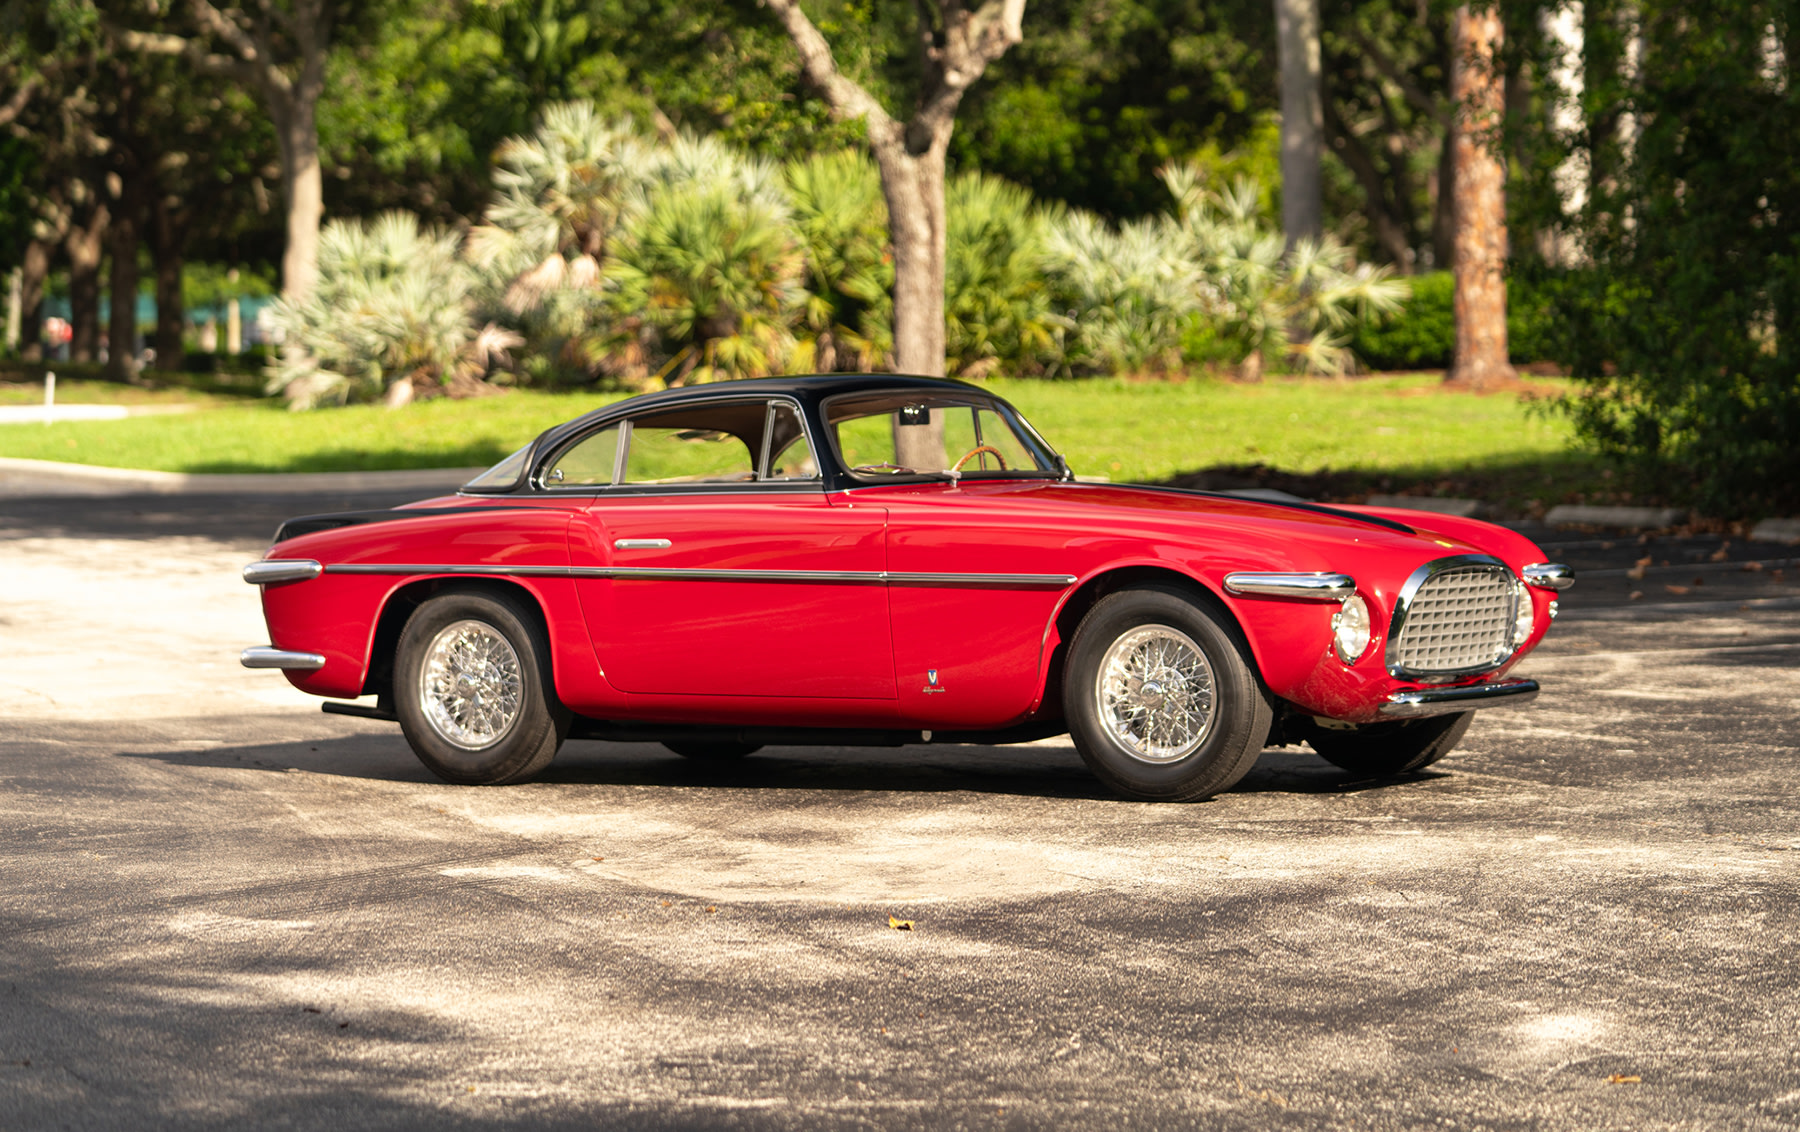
(1129,290)
(562,196)
(708,257)
(841,221)
(997,309)
(391,316)
(1294,306)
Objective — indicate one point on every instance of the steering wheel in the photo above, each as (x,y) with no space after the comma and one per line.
(976,451)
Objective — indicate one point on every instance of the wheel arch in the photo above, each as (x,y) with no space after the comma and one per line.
(1089,593)
(399,606)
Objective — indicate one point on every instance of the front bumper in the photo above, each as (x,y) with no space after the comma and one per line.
(1445,701)
(262,656)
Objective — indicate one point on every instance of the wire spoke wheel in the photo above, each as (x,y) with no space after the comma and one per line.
(470,685)
(1161,697)
(1155,694)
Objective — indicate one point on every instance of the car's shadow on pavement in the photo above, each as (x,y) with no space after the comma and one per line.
(1026,771)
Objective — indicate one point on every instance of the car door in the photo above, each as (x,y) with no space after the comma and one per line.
(728,572)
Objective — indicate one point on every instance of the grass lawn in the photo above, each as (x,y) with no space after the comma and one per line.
(1395,432)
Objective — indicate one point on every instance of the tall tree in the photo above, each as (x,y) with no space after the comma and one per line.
(1302,119)
(955,47)
(1479,90)
(277,48)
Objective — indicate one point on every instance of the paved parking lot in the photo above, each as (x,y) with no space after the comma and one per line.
(219,907)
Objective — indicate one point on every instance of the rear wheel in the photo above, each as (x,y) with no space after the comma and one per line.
(1397,747)
(1161,698)
(712,751)
(472,689)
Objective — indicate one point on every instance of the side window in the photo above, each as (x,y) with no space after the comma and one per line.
(673,454)
(589,463)
(790,456)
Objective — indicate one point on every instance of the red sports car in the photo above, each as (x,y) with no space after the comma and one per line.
(878,560)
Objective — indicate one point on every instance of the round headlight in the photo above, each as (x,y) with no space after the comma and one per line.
(1350,629)
(1525,621)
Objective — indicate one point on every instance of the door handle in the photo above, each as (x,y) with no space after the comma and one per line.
(641,544)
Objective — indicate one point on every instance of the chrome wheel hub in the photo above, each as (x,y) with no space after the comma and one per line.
(1155,695)
(470,685)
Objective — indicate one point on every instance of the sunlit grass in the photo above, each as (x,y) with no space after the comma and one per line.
(1152,430)
(1125,430)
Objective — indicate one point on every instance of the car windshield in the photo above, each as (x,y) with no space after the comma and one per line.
(893,435)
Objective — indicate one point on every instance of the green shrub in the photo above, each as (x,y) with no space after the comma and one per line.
(1423,334)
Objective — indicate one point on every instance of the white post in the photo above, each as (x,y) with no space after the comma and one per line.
(49,395)
(234,319)
(15,302)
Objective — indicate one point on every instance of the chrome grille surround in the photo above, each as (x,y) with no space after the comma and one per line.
(1454,617)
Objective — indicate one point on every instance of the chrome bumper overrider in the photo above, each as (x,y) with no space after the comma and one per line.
(274,571)
(262,656)
(1444,701)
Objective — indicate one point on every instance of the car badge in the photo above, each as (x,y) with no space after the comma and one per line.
(931,684)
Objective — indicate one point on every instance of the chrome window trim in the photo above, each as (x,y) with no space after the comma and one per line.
(1316,586)
(1549,576)
(1445,701)
(263,656)
(683,574)
(535,481)
(274,571)
(1403,604)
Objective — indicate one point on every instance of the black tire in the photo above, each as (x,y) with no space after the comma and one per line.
(1152,625)
(1400,746)
(721,751)
(490,638)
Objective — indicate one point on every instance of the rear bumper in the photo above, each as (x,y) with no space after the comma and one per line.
(1444,701)
(262,656)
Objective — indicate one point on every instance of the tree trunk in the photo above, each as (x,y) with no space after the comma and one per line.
(122,244)
(913,186)
(302,195)
(1480,195)
(33,272)
(168,237)
(1302,119)
(84,245)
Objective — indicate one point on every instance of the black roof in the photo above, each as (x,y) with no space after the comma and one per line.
(809,390)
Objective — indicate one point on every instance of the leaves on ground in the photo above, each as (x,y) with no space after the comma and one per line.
(900,925)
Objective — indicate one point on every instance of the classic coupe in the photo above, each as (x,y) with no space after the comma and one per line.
(881,560)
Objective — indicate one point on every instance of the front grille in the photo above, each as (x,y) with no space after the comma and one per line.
(1459,621)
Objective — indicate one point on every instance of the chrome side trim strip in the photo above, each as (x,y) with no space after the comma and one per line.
(270,571)
(1549,576)
(1444,701)
(674,574)
(1305,587)
(262,656)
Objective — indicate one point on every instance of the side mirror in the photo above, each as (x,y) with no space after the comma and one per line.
(1062,465)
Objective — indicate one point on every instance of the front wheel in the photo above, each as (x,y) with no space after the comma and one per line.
(1161,699)
(472,689)
(1395,747)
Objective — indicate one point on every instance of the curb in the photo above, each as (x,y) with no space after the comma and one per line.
(1640,612)
(1630,518)
(47,477)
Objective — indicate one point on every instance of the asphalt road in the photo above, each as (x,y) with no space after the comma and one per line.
(220,908)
